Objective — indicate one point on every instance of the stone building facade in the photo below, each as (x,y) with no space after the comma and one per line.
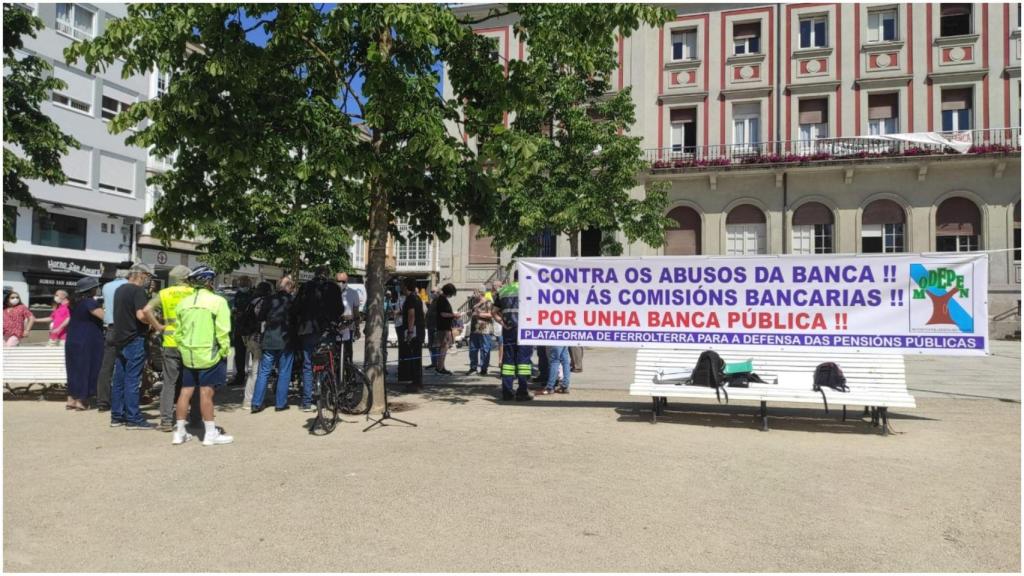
(825,128)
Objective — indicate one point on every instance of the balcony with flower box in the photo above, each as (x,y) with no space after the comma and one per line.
(835,151)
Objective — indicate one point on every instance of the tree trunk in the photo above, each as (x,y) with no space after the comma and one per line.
(574,243)
(375,279)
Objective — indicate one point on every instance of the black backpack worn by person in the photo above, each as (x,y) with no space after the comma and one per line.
(709,372)
(829,375)
(248,320)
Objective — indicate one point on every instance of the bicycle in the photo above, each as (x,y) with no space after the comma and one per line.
(324,385)
(330,397)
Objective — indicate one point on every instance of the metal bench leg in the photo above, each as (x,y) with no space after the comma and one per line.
(885,421)
(865,411)
(844,412)
(655,401)
(764,416)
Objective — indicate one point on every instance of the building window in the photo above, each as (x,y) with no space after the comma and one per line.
(546,245)
(58,230)
(77,167)
(746,38)
(957,226)
(161,82)
(112,107)
(956,109)
(746,231)
(357,252)
(955,19)
(683,130)
(75,21)
(813,120)
(882,25)
(813,229)
(746,126)
(883,117)
(481,250)
(72,103)
(684,239)
(813,32)
(117,175)
(684,44)
(411,251)
(77,94)
(882,228)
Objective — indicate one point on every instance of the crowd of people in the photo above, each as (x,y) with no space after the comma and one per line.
(272,328)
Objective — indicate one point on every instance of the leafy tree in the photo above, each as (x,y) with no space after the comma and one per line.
(38,141)
(268,164)
(585,166)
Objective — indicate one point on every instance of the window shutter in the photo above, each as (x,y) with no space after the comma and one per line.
(77,165)
(117,173)
(958,217)
(683,115)
(955,10)
(684,240)
(812,213)
(813,111)
(746,109)
(481,251)
(746,30)
(956,99)
(124,96)
(745,214)
(883,212)
(882,106)
(79,87)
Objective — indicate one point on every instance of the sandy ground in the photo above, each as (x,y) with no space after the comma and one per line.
(566,483)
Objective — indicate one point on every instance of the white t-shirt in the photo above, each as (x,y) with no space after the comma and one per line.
(350,300)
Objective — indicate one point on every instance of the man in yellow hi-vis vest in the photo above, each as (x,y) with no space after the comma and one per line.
(166,302)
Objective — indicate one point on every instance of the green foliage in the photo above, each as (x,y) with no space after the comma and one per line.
(268,166)
(37,143)
(566,165)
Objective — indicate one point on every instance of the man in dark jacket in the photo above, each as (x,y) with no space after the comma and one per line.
(275,315)
(242,299)
(316,306)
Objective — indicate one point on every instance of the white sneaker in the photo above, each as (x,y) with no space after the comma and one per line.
(180,437)
(215,439)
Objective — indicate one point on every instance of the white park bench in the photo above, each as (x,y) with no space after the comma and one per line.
(876,381)
(26,366)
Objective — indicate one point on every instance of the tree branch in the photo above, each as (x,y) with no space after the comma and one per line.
(256,25)
(493,13)
(337,71)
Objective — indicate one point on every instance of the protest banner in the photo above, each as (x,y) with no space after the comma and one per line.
(898,303)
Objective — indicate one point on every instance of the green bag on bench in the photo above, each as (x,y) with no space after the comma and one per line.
(739,367)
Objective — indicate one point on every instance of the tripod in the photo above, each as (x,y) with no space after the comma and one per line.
(387,414)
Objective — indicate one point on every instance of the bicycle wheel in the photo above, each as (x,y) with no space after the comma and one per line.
(355,387)
(326,402)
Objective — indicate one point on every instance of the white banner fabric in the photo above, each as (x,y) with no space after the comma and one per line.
(896,303)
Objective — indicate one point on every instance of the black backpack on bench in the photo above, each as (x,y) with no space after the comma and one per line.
(829,375)
(710,372)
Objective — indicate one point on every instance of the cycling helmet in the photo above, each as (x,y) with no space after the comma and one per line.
(202,274)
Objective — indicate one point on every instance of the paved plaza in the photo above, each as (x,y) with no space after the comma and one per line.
(565,483)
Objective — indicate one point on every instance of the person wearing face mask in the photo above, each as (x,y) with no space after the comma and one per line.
(350,312)
(18,320)
(60,318)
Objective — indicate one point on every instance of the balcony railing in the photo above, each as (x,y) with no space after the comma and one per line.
(991,141)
